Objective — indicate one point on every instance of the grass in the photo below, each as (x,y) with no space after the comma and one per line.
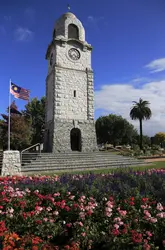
(156,165)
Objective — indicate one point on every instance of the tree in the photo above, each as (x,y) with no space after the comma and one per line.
(20,130)
(35,114)
(141,111)
(115,129)
(160,138)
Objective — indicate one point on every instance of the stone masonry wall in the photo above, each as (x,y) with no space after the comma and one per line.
(61,139)
(63,60)
(11,164)
(66,105)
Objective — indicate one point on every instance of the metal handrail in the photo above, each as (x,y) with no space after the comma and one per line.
(33,146)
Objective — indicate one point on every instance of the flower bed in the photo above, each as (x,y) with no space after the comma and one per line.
(120,211)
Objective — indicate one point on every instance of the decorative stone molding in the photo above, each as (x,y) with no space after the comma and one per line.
(11,164)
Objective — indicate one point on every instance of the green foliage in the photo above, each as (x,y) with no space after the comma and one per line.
(160,139)
(141,111)
(20,135)
(35,114)
(115,130)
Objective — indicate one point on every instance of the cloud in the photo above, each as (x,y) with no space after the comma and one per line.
(117,98)
(156,65)
(94,21)
(23,34)
(2,30)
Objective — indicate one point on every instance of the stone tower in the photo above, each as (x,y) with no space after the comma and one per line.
(69,89)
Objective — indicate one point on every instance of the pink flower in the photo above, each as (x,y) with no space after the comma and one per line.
(10,210)
(116,226)
(82,215)
(83,234)
(56,194)
(38,208)
(109,204)
(71,197)
(81,224)
(153,220)
(161,215)
(159,207)
(121,223)
(147,213)
(117,219)
(108,209)
(122,212)
(56,213)
(108,214)
(146,246)
(149,233)
(48,209)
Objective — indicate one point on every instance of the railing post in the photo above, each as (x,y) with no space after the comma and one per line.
(30,148)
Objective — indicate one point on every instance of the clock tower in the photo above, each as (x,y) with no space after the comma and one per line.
(69,117)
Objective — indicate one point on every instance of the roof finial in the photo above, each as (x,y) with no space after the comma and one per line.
(68,7)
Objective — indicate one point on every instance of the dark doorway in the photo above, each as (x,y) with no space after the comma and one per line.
(75,139)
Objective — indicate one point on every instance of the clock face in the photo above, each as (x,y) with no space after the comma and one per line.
(74,54)
(51,59)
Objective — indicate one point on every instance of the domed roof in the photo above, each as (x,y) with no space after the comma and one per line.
(69,14)
(62,24)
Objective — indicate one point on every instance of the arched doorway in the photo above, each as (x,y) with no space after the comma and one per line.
(75,139)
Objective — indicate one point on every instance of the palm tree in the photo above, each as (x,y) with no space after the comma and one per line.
(141,111)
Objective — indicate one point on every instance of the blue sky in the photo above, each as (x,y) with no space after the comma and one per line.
(128,59)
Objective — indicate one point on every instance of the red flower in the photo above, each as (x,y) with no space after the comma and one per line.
(75,205)
(89,212)
(36,240)
(136,237)
(144,199)
(35,248)
(2,228)
(131,203)
(67,208)
(67,247)
(39,222)
(132,198)
(115,232)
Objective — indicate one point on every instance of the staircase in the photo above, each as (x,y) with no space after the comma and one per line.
(74,161)
(1,159)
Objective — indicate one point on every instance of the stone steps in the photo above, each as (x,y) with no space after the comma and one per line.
(76,161)
(81,158)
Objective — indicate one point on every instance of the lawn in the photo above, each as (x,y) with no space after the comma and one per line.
(156,165)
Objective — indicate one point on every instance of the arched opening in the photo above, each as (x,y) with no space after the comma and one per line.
(73,31)
(75,139)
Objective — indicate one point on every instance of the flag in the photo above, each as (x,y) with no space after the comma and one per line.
(19,92)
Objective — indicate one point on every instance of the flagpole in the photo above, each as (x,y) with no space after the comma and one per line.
(9,116)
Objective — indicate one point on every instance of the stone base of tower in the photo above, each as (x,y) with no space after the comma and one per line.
(67,136)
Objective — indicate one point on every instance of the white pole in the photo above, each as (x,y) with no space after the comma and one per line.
(9,117)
